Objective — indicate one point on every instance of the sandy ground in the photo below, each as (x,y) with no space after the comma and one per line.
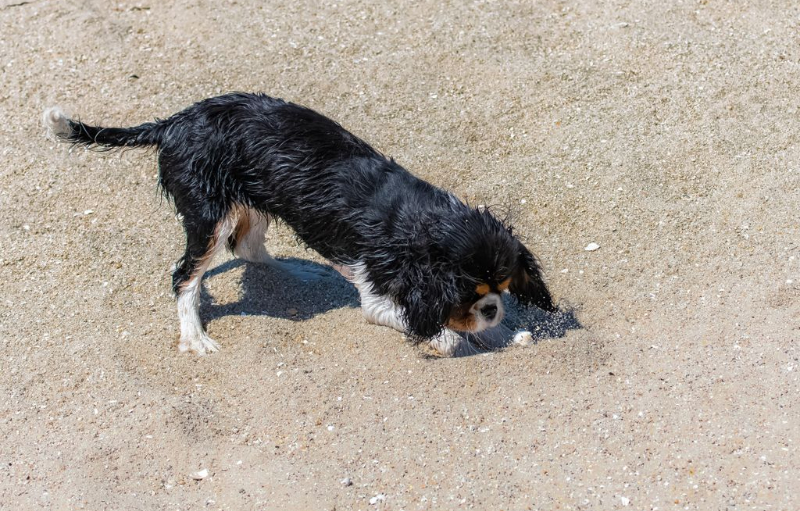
(667,134)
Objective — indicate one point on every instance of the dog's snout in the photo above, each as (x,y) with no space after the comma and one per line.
(489,311)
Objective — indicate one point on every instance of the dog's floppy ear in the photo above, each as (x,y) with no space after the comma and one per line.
(428,303)
(527,284)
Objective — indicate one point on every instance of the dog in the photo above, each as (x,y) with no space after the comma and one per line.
(424,262)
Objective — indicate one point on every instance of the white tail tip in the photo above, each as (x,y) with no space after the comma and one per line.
(56,122)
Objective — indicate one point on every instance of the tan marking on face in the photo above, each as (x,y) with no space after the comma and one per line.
(482,289)
(461,319)
(504,285)
(466,324)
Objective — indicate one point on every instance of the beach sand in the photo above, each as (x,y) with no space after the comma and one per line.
(666,133)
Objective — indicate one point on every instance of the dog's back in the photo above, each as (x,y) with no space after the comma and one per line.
(276,157)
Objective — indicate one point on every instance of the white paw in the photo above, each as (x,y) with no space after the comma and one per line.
(450,344)
(199,344)
(523,338)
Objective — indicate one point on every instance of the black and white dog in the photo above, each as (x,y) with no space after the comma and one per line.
(424,262)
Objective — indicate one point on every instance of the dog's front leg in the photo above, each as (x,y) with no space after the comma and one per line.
(450,343)
(381,310)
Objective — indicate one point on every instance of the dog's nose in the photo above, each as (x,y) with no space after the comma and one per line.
(489,311)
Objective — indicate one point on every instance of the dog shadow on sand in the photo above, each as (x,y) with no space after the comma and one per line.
(268,291)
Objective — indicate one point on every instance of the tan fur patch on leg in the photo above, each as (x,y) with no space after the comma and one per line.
(221,231)
(241,216)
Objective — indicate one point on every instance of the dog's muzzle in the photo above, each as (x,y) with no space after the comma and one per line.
(489,311)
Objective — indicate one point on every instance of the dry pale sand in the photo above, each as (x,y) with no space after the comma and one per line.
(665,132)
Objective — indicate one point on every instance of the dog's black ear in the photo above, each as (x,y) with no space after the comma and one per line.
(428,302)
(527,284)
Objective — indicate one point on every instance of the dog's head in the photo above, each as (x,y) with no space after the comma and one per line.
(457,279)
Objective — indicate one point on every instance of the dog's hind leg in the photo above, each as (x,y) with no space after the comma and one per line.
(203,240)
(248,238)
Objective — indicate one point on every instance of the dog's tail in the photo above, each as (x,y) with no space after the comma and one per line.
(78,133)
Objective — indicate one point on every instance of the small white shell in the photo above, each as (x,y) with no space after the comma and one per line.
(199,475)
(523,338)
